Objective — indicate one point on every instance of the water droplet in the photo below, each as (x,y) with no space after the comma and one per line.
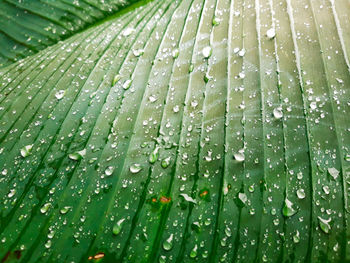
(241,53)
(77,155)
(48,243)
(51,234)
(168,244)
(228,231)
(324,224)
(162,259)
(271,33)
(347,157)
(239,156)
(216,21)
(45,208)
(65,210)
(243,197)
(127,84)
(128,31)
(154,155)
(188,198)
(191,68)
(11,193)
(301,193)
(26,150)
(118,227)
(241,75)
(313,105)
(109,170)
(176,108)
(60,94)
(193,253)
(288,209)
(175,53)
(333,172)
(278,113)
(326,189)
(116,79)
(135,168)
(296,237)
(166,162)
(207,52)
(194,104)
(138,52)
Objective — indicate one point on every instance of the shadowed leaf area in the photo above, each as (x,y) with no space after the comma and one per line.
(174,131)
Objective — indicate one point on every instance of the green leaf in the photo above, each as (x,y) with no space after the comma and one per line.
(174,131)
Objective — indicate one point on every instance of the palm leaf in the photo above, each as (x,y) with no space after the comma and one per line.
(174,131)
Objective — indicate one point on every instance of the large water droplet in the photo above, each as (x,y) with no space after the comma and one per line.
(60,94)
(175,53)
(65,210)
(288,209)
(301,193)
(296,237)
(118,226)
(188,198)
(166,162)
(116,79)
(109,170)
(324,224)
(77,155)
(193,253)
(127,84)
(135,168)
(207,52)
(271,33)
(26,150)
(168,244)
(45,208)
(334,173)
(278,113)
(239,156)
(154,155)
